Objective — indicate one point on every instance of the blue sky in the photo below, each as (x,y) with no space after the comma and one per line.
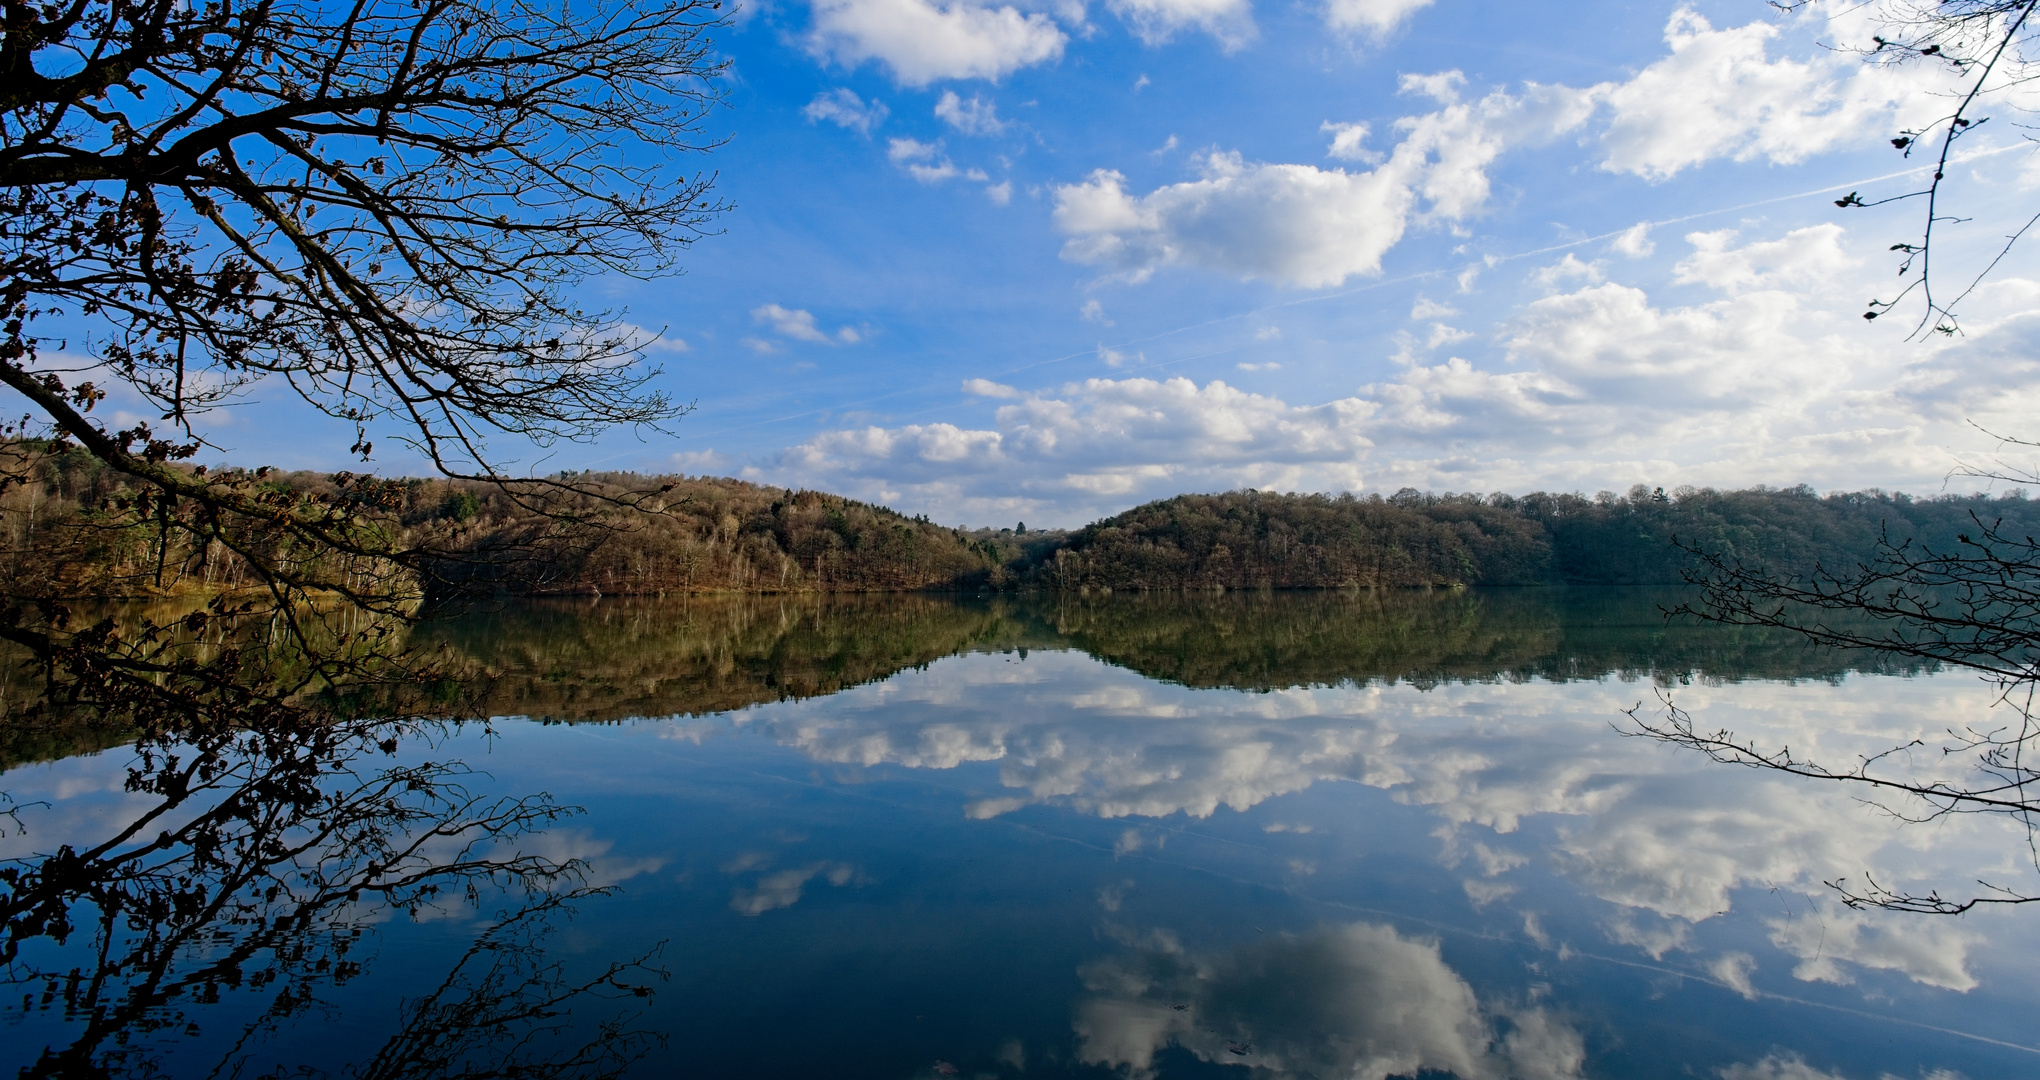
(1041,261)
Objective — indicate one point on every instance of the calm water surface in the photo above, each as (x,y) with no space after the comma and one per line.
(1310,835)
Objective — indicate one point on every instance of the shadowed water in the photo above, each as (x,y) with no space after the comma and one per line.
(1362,834)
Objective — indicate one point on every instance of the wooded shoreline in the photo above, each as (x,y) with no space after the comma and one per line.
(76,531)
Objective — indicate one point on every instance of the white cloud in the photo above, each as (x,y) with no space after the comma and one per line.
(974,117)
(1717,94)
(1094,312)
(1809,256)
(843,108)
(1000,193)
(1755,368)
(1301,225)
(1349,142)
(1442,334)
(782,888)
(1934,952)
(926,40)
(1231,22)
(1099,443)
(1734,970)
(1442,87)
(1359,1001)
(1268,366)
(1634,241)
(1519,775)
(927,163)
(988,388)
(699,461)
(1720,95)
(788,322)
(1268,333)
(653,341)
(1778,1067)
(1372,17)
(1568,269)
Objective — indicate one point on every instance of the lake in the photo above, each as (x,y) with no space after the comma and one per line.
(1303,834)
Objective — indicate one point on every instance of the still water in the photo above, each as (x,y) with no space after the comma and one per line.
(1309,835)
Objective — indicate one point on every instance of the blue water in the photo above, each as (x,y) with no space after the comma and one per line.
(1034,862)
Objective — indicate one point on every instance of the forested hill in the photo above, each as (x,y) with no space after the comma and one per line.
(78,531)
(1253,539)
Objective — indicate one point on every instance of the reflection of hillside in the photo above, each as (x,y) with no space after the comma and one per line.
(615,659)
(1266,641)
(611,659)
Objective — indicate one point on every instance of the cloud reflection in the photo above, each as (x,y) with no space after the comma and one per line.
(1665,838)
(782,888)
(1359,1001)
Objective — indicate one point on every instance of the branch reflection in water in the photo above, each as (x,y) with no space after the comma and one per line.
(266,828)
(811,785)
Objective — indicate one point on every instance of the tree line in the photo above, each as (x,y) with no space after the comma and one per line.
(84,531)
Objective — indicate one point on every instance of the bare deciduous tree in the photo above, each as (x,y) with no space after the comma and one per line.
(386,207)
(1990,45)
(1975,607)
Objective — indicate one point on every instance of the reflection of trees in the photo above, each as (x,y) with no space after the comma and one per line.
(1267,641)
(274,827)
(579,660)
(503,1009)
(1974,607)
(614,659)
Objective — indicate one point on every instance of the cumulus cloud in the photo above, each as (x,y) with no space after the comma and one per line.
(1231,22)
(1301,225)
(1359,1001)
(1719,94)
(1778,1067)
(1734,970)
(1764,384)
(988,388)
(1370,17)
(1349,142)
(922,41)
(843,108)
(974,117)
(1566,271)
(1933,952)
(795,323)
(699,461)
(1754,370)
(1634,241)
(783,888)
(1809,256)
(1668,845)
(926,162)
(798,324)
(1442,334)
(1102,442)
